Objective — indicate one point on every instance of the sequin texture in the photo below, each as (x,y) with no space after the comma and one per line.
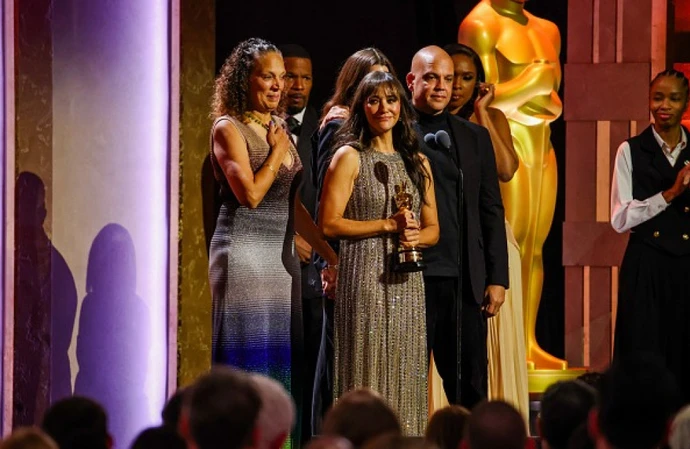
(380,315)
(254,275)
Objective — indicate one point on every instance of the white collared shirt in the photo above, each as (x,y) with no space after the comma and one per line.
(626,212)
(300,118)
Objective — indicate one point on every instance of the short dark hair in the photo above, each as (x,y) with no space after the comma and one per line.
(580,438)
(360,415)
(564,406)
(173,408)
(294,51)
(638,396)
(223,406)
(673,73)
(495,424)
(161,437)
(591,378)
(77,423)
(447,426)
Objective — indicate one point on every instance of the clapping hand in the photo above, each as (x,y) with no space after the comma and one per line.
(680,185)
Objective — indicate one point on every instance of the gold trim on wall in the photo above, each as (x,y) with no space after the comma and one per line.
(197,72)
(659,19)
(614,303)
(586,315)
(8,217)
(619,30)
(595,30)
(174,196)
(603,187)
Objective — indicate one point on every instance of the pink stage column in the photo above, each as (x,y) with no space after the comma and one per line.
(6,207)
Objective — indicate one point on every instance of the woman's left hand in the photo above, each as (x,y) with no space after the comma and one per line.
(485,97)
(303,249)
(329,280)
(335,113)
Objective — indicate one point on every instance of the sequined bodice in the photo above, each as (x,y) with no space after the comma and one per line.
(380,177)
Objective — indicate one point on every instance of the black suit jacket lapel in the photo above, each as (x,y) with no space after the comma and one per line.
(659,161)
(465,143)
(304,145)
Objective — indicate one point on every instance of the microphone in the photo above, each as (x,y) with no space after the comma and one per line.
(381,173)
(441,139)
(430,139)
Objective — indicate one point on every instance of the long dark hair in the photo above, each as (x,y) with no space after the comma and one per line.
(356,132)
(351,73)
(232,84)
(460,49)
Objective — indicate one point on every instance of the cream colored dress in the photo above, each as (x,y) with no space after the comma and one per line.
(506,340)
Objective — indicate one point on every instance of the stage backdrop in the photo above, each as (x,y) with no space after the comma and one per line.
(6,166)
(614,47)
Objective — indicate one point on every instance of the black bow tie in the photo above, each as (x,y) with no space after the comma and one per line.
(294,125)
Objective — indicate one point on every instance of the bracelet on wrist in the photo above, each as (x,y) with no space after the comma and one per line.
(270,167)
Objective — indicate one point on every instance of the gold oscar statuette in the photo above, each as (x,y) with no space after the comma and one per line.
(407,260)
(520,55)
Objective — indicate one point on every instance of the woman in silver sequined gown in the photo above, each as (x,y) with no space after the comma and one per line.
(253,266)
(380,335)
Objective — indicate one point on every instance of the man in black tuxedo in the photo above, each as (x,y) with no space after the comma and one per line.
(302,120)
(467,271)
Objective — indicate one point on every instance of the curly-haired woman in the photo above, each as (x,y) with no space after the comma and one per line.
(254,269)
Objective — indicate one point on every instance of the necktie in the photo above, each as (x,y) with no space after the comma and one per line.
(294,125)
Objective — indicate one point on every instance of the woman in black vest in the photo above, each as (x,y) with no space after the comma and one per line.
(649,197)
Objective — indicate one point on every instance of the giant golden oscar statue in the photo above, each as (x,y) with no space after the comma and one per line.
(519,53)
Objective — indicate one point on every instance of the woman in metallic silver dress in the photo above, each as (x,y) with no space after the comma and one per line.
(380,335)
(254,271)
